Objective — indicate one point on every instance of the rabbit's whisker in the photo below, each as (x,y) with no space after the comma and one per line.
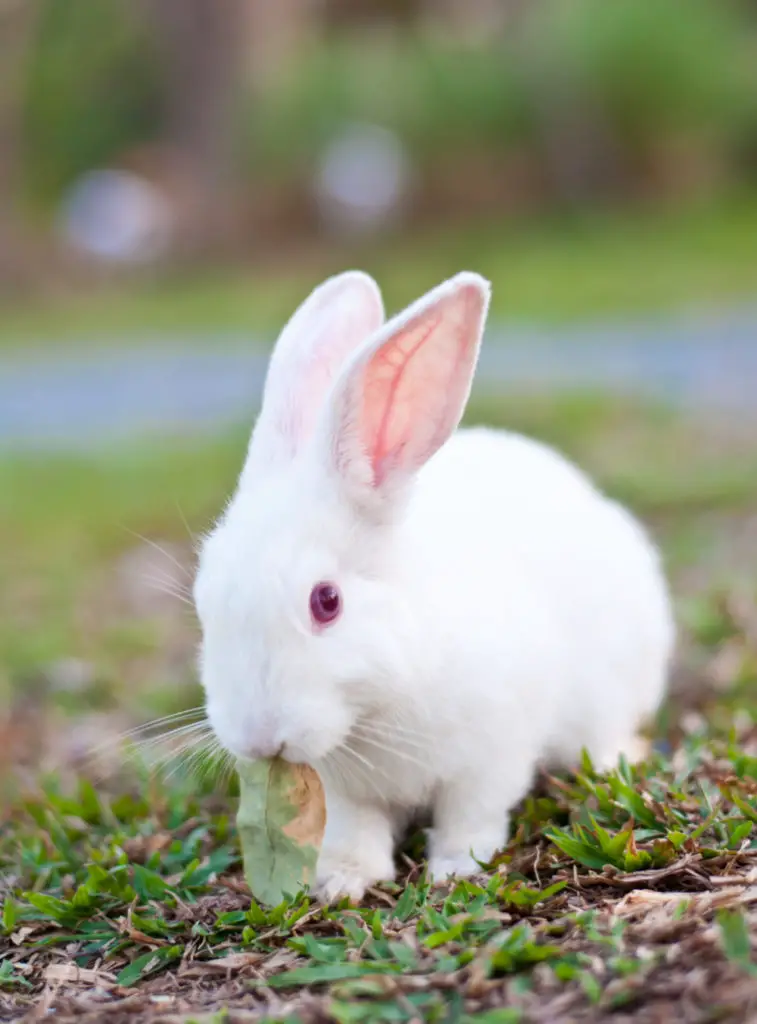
(158,547)
(140,730)
(192,538)
(165,720)
(369,765)
(393,726)
(180,735)
(161,576)
(188,763)
(161,761)
(171,590)
(388,732)
(198,757)
(174,738)
(395,749)
(363,767)
(226,766)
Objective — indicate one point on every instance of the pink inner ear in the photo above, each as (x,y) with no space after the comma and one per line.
(317,373)
(416,384)
(391,392)
(325,332)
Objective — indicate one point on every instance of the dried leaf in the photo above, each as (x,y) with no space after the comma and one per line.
(228,964)
(63,973)
(281,820)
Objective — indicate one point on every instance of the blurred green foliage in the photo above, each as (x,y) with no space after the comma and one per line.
(651,67)
(437,97)
(92,90)
(647,70)
(646,67)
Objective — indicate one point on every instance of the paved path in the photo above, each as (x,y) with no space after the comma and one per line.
(79,398)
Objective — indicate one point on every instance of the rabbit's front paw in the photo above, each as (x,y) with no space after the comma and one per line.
(341,875)
(357,849)
(460,866)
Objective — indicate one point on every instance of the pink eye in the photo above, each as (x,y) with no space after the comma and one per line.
(325,603)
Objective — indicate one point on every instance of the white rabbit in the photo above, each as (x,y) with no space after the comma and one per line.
(421,614)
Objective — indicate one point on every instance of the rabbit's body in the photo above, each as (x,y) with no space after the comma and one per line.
(540,572)
(513,594)
(494,609)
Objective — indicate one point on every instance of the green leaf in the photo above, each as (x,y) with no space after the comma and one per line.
(591,986)
(637,861)
(148,963)
(515,949)
(504,1015)
(518,894)
(375,1011)
(442,938)
(677,839)
(281,820)
(580,851)
(9,978)
(327,951)
(52,907)
(377,928)
(10,914)
(407,903)
(739,834)
(734,934)
(632,801)
(148,884)
(746,808)
(319,974)
(90,808)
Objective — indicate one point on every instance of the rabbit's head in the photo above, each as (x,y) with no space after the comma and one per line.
(300,589)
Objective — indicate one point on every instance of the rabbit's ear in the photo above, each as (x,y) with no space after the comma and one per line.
(333,321)
(401,396)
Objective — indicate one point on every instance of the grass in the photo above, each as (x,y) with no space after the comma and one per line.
(134,903)
(122,893)
(71,524)
(624,263)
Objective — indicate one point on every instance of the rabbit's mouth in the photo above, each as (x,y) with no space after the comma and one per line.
(296,754)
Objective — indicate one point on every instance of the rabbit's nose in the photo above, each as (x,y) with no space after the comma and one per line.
(268,750)
(261,735)
(249,737)
(263,749)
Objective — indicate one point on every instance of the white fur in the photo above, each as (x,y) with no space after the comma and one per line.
(498,610)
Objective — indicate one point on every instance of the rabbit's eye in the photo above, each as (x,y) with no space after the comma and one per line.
(325,603)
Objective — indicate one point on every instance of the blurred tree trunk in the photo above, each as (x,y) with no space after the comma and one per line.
(347,13)
(275,33)
(17,19)
(577,145)
(475,21)
(579,149)
(203,46)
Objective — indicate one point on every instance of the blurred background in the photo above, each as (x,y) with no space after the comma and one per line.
(176,175)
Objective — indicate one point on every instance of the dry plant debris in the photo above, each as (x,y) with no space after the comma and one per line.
(630,896)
